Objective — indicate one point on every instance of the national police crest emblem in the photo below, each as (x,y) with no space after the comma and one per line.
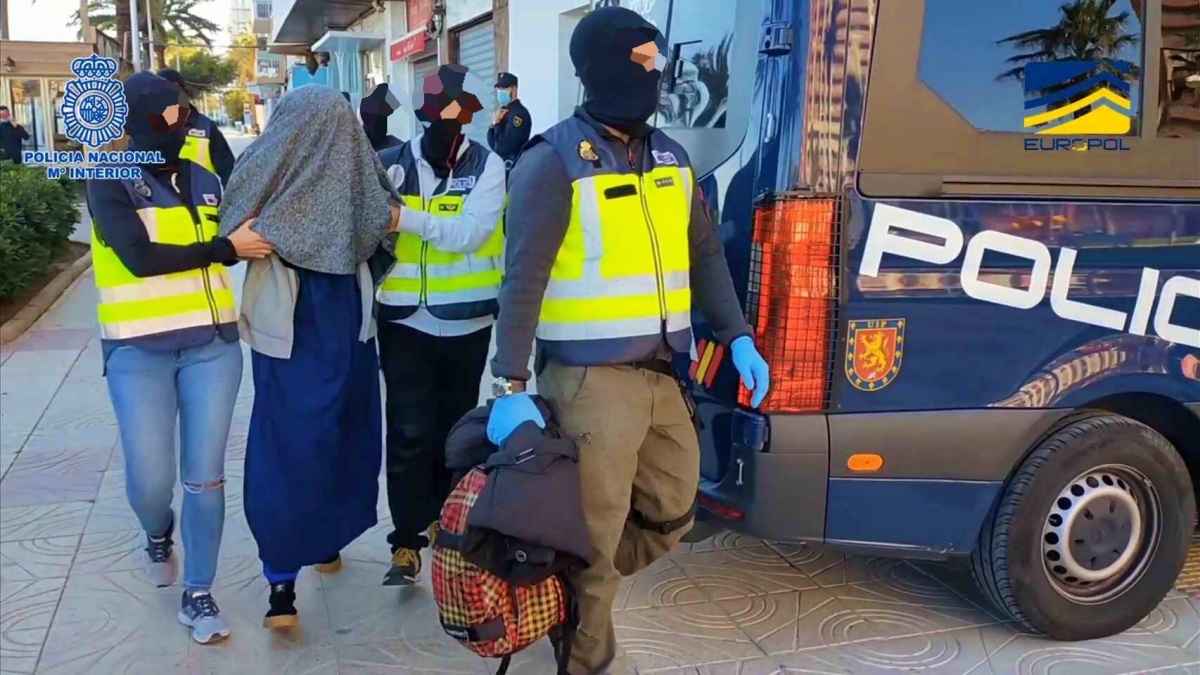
(874,352)
(94,106)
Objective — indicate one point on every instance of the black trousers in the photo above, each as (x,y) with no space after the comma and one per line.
(431,382)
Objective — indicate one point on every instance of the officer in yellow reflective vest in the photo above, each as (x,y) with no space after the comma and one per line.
(169,335)
(608,245)
(204,143)
(437,306)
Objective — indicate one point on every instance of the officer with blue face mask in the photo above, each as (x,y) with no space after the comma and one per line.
(510,123)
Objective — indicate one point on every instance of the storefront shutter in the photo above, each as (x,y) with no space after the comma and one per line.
(477,51)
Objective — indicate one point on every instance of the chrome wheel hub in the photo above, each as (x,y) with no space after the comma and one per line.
(1100,533)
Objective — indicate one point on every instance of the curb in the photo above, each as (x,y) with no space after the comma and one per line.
(44,300)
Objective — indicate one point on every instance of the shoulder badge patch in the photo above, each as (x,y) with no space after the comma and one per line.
(874,352)
(197,132)
(517,121)
(140,187)
(211,199)
(667,158)
(587,151)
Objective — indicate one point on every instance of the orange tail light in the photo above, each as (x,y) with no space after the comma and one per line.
(792,299)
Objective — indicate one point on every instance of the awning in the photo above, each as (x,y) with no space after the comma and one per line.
(346,41)
(413,43)
(307,20)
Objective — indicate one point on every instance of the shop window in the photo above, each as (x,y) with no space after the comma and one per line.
(1179,71)
(1027,97)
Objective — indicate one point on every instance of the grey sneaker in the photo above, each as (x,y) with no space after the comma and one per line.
(199,612)
(162,566)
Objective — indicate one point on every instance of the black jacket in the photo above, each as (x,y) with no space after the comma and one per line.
(528,522)
(511,134)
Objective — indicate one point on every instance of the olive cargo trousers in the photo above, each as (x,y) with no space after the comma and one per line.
(639,462)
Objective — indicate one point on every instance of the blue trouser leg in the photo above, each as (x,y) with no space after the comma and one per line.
(141,385)
(208,379)
(148,390)
(278,577)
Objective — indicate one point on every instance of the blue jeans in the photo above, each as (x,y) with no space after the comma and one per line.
(148,389)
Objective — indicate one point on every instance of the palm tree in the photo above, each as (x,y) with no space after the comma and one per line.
(174,21)
(1085,32)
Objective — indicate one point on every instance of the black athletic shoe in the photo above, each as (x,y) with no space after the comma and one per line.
(406,565)
(283,606)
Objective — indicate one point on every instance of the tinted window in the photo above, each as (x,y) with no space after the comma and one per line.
(977,57)
(696,84)
(1179,70)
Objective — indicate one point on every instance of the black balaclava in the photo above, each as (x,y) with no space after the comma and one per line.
(443,137)
(374,111)
(148,95)
(620,92)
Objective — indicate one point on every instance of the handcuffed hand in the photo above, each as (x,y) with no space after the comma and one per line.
(751,367)
(508,413)
(248,243)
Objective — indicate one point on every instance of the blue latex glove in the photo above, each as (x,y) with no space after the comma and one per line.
(508,413)
(751,368)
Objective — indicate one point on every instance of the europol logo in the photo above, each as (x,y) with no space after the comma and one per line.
(1073,100)
(94,106)
(874,352)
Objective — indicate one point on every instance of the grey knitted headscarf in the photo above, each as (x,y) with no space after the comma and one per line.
(315,184)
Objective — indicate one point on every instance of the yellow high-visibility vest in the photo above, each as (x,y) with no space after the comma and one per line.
(452,286)
(133,307)
(620,282)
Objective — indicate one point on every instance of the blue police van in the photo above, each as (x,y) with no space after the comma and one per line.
(967,236)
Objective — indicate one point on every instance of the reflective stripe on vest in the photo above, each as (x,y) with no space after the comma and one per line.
(452,285)
(622,273)
(132,307)
(197,146)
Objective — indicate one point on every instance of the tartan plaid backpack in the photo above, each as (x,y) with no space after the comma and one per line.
(490,614)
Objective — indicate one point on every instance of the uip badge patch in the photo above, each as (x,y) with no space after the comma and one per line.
(874,352)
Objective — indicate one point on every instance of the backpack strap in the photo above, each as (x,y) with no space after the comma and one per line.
(666,527)
(504,663)
(562,638)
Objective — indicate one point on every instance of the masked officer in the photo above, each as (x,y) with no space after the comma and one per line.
(168,330)
(510,123)
(609,242)
(204,143)
(436,308)
(374,111)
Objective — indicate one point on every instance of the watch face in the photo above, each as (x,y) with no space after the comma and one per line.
(500,388)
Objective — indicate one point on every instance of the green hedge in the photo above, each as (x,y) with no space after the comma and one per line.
(37,215)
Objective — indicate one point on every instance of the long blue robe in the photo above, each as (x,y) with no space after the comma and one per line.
(314,451)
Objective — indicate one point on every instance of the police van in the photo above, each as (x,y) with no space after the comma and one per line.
(967,236)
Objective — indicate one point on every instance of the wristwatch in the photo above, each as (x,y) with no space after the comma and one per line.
(502,386)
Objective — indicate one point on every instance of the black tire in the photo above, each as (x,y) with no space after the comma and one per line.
(1010,563)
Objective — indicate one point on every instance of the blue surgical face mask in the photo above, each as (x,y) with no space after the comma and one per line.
(503,97)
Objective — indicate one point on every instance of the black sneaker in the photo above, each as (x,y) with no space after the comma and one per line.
(199,612)
(283,606)
(406,565)
(161,565)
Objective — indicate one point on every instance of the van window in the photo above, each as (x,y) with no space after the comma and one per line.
(696,84)
(1028,97)
(975,57)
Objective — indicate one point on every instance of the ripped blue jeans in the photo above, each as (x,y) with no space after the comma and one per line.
(149,391)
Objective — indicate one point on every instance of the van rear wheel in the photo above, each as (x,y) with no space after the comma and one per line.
(1091,531)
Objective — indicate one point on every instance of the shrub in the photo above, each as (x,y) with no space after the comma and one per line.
(37,216)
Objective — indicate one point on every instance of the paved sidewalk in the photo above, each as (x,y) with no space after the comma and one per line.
(73,599)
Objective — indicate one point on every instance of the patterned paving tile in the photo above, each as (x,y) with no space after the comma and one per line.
(955,652)
(20,523)
(663,584)
(229,656)
(732,573)
(26,610)
(786,622)
(1026,655)
(37,558)
(408,656)
(49,339)
(361,610)
(29,488)
(681,636)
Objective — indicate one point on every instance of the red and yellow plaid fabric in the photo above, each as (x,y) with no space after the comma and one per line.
(468,596)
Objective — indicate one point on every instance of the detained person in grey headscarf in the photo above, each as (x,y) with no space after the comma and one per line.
(312,186)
